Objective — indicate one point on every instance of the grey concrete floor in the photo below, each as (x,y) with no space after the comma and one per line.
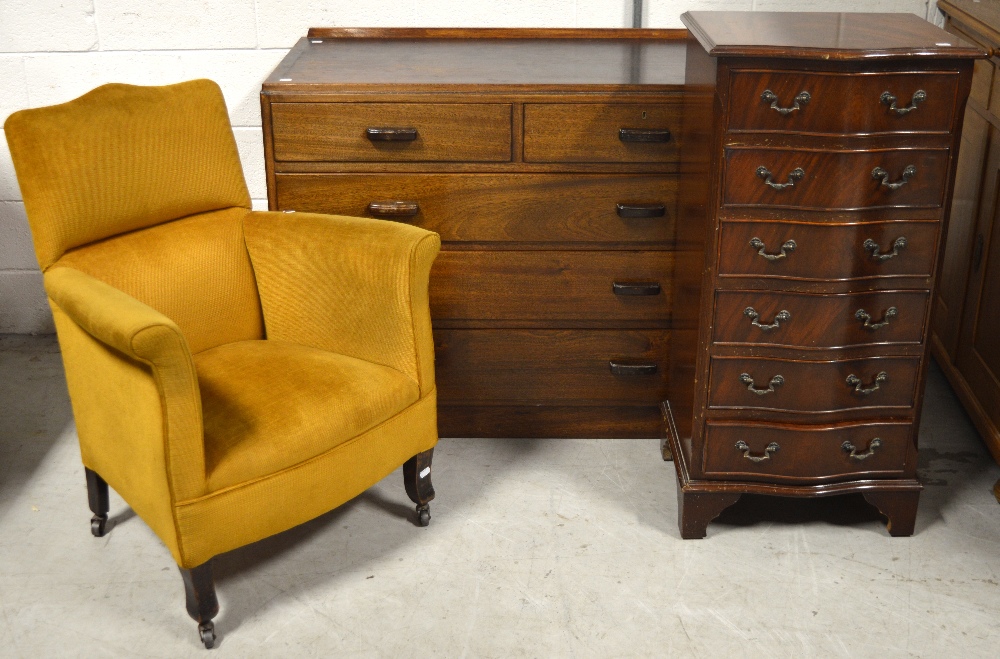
(537,548)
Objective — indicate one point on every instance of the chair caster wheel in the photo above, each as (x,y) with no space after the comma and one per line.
(423,515)
(207,632)
(98,525)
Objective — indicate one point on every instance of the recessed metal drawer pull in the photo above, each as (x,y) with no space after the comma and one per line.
(802,98)
(872,445)
(626,368)
(635,288)
(855,381)
(390,134)
(644,135)
(776,381)
(786,248)
(752,314)
(768,450)
(876,253)
(866,318)
(394,208)
(793,176)
(889,99)
(641,210)
(908,172)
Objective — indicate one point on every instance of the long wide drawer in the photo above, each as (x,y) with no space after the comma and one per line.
(812,386)
(819,321)
(547,366)
(842,103)
(835,180)
(497,207)
(761,451)
(599,132)
(817,252)
(393,132)
(556,285)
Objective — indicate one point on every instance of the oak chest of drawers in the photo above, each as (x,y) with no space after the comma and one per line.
(818,155)
(547,162)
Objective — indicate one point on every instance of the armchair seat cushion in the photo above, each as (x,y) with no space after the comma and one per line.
(269,405)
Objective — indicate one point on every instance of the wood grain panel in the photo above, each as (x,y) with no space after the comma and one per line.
(545,208)
(827,252)
(543,420)
(589,132)
(835,180)
(549,366)
(820,321)
(558,285)
(812,386)
(446,132)
(806,453)
(841,103)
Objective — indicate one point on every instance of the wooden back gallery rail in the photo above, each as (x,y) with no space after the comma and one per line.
(743,219)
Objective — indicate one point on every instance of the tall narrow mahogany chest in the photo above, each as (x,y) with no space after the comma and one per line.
(818,157)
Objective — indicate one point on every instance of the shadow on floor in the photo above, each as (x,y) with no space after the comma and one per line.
(35,409)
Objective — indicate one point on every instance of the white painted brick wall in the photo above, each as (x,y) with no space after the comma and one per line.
(54,50)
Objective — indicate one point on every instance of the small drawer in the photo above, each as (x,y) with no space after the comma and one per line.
(812,386)
(551,285)
(802,453)
(817,252)
(803,320)
(391,132)
(551,365)
(835,180)
(839,103)
(591,132)
(549,208)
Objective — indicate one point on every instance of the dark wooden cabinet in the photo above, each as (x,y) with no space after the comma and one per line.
(817,158)
(547,161)
(967,307)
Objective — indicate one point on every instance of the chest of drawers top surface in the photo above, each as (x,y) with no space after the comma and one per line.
(431,58)
(823,36)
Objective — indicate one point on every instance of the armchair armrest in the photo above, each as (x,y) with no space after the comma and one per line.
(349,285)
(143,334)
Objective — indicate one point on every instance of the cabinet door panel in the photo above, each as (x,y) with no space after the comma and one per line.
(961,232)
(979,350)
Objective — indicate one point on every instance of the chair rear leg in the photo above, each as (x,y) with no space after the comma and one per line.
(202,604)
(97,494)
(417,478)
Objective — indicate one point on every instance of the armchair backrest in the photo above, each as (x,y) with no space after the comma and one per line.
(142,187)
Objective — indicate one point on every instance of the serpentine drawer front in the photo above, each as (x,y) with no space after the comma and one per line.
(828,174)
(842,103)
(827,251)
(547,161)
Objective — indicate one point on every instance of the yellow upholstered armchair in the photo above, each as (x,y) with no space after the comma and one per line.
(232,373)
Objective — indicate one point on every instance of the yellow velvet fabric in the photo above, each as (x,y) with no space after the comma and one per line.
(164,286)
(347,285)
(122,158)
(241,514)
(252,430)
(195,270)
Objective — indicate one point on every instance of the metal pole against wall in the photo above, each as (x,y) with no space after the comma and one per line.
(636,13)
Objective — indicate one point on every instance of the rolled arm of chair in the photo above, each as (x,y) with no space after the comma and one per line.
(138,331)
(350,285)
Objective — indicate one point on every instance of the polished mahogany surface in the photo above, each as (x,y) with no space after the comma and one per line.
(822,35)
(820,150)
(421,58)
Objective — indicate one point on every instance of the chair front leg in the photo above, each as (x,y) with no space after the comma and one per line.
(417,479)
(202,604)
(97,495)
